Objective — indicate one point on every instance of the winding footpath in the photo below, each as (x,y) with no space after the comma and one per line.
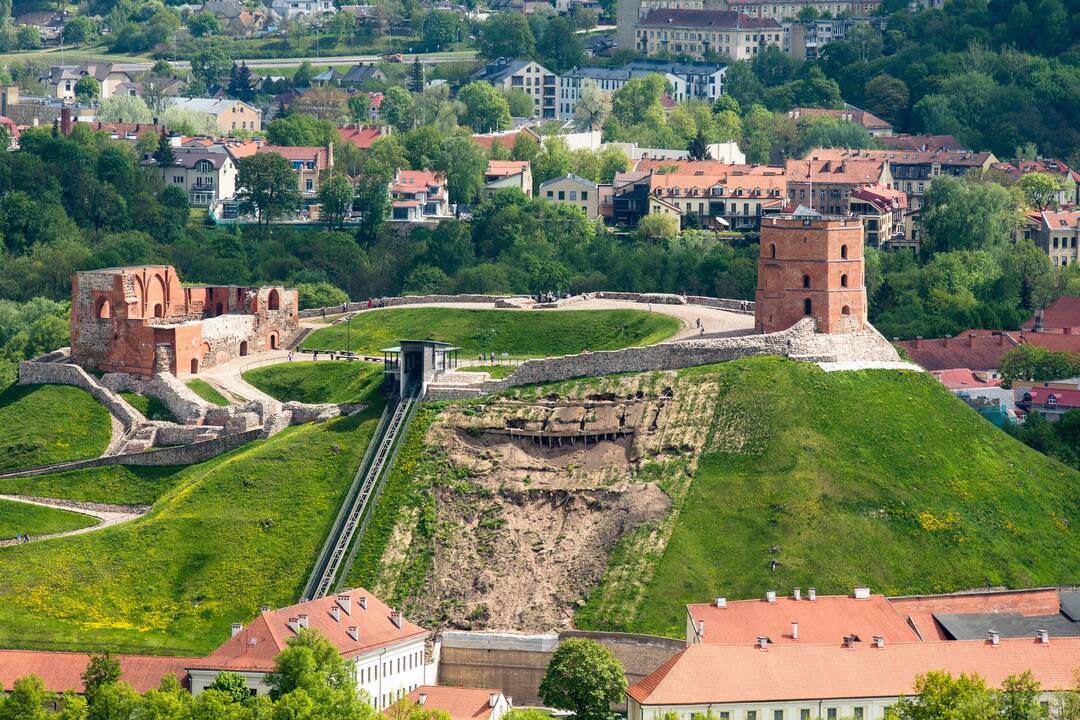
(107,515)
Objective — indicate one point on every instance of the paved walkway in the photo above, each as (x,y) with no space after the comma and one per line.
(108,515)
(868,365)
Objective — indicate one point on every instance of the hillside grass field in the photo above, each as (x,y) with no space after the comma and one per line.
(42,424)
(521,333)
(117,484)
(35,520)
(878,478)
(150,407)
(222,538)
(325,381)
(207,392)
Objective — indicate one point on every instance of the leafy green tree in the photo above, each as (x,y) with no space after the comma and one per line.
(123,108)
(202,24)
(1041,189)
(519,102)
(758,127)
(28,37)
(78,30)
(72,707)
(266,187)
(554,160)
(114,701)
(585,678)
(657,228)
(232,684)
(102,670)
(416,77)
(506,35)
(300,130)
(486,110)
(959,214)
(1019,698)
(189,122)
(560,46)
(241,82)
(698,148)
(336,198)
(321,294)
(887,97)
(425,280)
(632,103)
(1032,362)
(87,89)
(210,61)
(593,106)
(464,163)
(939,696)
(398,108)
(26,700)
(440,29)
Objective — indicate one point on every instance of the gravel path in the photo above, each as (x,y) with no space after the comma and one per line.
(868,365)
(107,515)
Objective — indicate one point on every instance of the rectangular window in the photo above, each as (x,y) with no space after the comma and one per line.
(310,184)
(777,715)
(830,714)
(751,715)
(573,194)
(804,714)
(585,196)
(858,713)
(551,193)
(562,194)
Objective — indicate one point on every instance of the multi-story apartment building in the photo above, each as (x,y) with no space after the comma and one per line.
(573,190)
(538,82)
(882,211)
(688,81)
(805,40)
(1070,178)
(1058,236)
(229,114)
(733,197)
(418,195)
(785,9)
(307,162)
(824,180)
(206,174)
(701,32)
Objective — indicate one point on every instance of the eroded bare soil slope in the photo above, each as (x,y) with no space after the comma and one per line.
(517,501)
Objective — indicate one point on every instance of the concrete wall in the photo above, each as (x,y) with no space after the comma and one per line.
(516,663)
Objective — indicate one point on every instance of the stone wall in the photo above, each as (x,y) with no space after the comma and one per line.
(744,307)
(407,300)
(44,373)
(182,402)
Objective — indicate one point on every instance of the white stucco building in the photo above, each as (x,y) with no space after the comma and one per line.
(388,649)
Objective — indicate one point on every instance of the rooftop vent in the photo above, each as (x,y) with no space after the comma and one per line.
(879,641)
(720,602)
(796,594)
(345,603)
(1043,637)
(770,596)
(354,632)
(264,608)
(422,698)
(763,642)
(362,602)
(236,628)
(253,641)
(294,624)
(303,620)
(862,593)
(811,594)
(995,637)
(335,612)
(395,617)
(794,629)
(493,699)
(701,628)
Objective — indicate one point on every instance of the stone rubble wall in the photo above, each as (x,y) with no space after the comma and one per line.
(409,300)
(182,402)
(32,372)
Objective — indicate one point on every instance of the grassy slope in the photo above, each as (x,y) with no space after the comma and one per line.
(875,477)
(16,517)
(517,332)
(119,484)
(326,381)
(150,407)
(41,424)
(229,534)
(204,390)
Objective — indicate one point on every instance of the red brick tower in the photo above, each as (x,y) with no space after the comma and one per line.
(810,265)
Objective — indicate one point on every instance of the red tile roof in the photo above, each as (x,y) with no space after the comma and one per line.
(1041,396)
(828,619)
(965,378)
(699,19)
(852,115)
(804,672)
(505,139)
(982,352)
(1049,166)
(62,671)
(921,142)
(506,168)
(920,609)
(361,137)
(1056,341)
(319,155)
(460,703)
(255,646)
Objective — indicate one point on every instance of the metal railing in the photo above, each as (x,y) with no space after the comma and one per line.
(395,419)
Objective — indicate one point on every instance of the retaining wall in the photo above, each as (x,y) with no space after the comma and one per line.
(182,402)
(46,373)
(406,300)
(516,663)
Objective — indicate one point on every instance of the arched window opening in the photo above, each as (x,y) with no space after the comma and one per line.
(843,251)
(273,341)
(843,280)
(806,281)
(219,310)
(845,310)
(103,310)
(772,251)
(807,307)
(194,366)
(159,310)
(274,301)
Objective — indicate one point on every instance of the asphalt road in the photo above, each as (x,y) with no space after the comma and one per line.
(429,59)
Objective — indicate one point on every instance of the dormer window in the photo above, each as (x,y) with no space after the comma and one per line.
(1051,399)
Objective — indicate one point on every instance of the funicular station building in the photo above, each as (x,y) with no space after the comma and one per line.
(411,365)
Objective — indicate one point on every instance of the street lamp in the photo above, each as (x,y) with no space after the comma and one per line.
(348,335)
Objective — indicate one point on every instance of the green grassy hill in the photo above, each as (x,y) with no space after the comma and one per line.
(43,424)
(875,477)
(518,332)
(325,381)
(222,538)
(35,520)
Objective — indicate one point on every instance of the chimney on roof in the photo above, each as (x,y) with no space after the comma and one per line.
(345,603)
(995,637)
(354,632)
(302,620)
(1043,637)
(294,625)
(1001,338)
(720,602)
(811,594)
(236,628)
(763,642)
(335,612)
(701,628)
(862,593)
(946,341)
(770,596)
(918,341)
(796,594)
(971,339)
(395,617)
(493,699)
(849,641)
(362,602)
(421,699)
(264,608)
(794,629)
(879,641)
